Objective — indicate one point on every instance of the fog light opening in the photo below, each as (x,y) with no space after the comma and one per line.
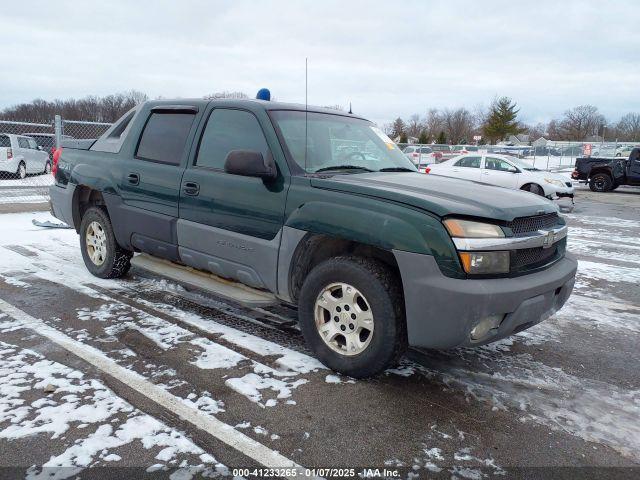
(484,327)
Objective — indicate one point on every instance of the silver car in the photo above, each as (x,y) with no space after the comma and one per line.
(21,156)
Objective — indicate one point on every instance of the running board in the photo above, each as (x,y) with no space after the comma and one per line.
(205,281)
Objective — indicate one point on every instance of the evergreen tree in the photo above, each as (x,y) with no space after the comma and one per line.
(398,128)
(442,138)
(501,120)
(424,138)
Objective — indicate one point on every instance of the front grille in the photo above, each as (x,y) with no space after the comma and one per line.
(530,258)
(533,224)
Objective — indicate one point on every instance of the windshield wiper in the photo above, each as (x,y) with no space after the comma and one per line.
(343,167)
(396,169)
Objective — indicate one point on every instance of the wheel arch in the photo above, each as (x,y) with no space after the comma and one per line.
(315,248)
(83,198)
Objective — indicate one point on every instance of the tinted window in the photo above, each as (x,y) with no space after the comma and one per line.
(469,162)
(425,150)
(492,163)
(229,130)
(5,141)
(44,141)
(23,143)
(164,137)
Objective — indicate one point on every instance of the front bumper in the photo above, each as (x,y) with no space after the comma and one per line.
(442,311)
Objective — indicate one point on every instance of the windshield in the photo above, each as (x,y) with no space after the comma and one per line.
(335,142)
(521,163)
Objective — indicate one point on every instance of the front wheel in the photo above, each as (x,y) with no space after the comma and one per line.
(101,253)
(533,188)
(351,313)
(600,182)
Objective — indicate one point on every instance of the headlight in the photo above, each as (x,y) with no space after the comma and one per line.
(469,229)
(485,263)
(555,182)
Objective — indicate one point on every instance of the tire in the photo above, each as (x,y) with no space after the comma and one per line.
(601,182)
(21,173)
(105,258)
(614,186)
(379,288)
(533,188)
(47,168)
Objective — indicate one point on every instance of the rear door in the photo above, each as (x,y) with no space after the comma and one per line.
(230,224)
(150,182)
(467,168)
(497,171)
(24,152)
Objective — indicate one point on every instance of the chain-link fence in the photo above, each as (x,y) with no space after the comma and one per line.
(26,157)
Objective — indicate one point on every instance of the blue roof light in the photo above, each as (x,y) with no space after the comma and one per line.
(264,94)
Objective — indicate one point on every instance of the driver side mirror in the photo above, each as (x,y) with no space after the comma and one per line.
(249,163)
(513,170)
(39,148)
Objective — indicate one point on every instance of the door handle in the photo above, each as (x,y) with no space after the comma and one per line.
(133,178)
(191,188)
(485,173)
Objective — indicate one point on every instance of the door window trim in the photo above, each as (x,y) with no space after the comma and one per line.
(193,162)
(186,141)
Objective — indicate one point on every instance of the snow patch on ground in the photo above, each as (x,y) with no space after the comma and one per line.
(76,403)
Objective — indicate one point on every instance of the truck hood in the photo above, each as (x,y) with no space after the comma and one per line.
(440,195)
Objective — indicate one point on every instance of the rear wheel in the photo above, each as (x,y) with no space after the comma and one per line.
(102,255)
(351,313)
(22,171)
(600,182)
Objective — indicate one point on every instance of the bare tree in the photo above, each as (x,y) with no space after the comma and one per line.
(628,128)
(458,125)
(433,124)
(581,122)
(414,126)
(536,131)
(92,108)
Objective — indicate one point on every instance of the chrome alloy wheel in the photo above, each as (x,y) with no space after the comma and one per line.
(344,319)
(96,241)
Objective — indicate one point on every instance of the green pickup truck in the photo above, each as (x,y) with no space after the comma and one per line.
(321,209)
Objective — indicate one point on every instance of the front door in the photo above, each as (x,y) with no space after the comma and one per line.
(497,171)
(229,224)
(150,184)
(634,167)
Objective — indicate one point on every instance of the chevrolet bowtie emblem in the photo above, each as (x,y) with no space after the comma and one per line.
(548,239)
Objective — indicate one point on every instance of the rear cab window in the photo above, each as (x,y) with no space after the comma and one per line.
(164,137)
(23,142)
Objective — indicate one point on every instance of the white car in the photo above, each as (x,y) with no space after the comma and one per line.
(21,156)
(504,171)
(421,155)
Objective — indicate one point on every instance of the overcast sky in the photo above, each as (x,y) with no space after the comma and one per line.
(388,58)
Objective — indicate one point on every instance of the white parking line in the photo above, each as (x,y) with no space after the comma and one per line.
(218,429)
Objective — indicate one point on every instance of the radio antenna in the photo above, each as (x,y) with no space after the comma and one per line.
(306,110)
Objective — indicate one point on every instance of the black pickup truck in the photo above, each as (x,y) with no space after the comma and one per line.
(606,174)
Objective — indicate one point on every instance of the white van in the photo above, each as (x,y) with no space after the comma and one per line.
(21,156)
